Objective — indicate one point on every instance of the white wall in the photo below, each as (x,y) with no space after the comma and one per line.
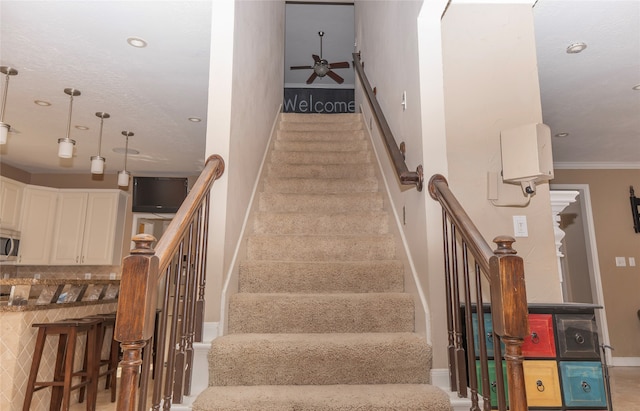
(466,78)
(245,93)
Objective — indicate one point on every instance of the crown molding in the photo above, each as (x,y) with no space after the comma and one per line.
(596,165)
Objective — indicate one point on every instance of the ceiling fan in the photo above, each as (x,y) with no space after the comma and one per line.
(322,67)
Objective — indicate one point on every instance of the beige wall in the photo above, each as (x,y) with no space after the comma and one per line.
(615,237)
(491,84)
(245,93)
(14,173)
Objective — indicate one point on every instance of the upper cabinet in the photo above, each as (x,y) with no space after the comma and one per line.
(38,214)
(89,227)
(10,203)
(70,226)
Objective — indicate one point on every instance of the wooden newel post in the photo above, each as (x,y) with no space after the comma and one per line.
(510,314)
(136,311)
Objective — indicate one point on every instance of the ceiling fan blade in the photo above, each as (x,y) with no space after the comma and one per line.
(316,58)
(300,67)
(342,64)
(312,77)
(335,77)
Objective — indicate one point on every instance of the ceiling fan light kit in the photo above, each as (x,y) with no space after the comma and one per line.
(97,161)
(4,127)
(65,145)
(321,67)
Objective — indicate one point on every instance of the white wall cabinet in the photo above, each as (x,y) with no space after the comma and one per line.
(36,226)
(89,227)
(10,203)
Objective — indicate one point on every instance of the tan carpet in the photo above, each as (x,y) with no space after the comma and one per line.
(321,320)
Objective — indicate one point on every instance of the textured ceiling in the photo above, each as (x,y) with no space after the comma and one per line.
(154,90)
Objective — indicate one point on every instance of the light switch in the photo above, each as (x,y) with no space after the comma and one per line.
(621,262)
(520,226)
(632,262)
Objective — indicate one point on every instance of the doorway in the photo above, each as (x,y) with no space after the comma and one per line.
(581,281)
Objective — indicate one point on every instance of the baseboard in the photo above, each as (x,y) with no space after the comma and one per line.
(625,362)
(440,379)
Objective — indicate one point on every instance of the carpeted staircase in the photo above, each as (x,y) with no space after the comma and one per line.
(321,321)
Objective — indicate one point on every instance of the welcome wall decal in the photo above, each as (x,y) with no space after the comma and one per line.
(319,100)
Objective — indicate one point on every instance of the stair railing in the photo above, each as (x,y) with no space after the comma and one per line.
(163,332)
(406,177)
(469,264)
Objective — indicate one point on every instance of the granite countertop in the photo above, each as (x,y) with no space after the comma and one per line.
(30,294)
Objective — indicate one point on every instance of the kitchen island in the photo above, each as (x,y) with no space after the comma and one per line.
(28,301)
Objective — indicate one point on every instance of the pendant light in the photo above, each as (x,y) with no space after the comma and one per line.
(4,127)
(65,145)
(97,162)
(123,176)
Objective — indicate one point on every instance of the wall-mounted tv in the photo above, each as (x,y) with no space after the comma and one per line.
(158,194)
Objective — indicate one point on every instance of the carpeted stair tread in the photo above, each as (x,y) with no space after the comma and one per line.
(343,202)
(319,135)
(320,185)
(320,126)
(321,247)
(308,359)
(320,171)
(322,157)
(332,146)
(317,277)
(320,118)
(321,313)
(368,222)
(389,397)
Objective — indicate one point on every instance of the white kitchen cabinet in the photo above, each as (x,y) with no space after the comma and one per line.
(36,226)
(10,203)
(89,227)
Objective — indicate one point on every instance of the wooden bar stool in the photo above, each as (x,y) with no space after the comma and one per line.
(106,329)
(68,332)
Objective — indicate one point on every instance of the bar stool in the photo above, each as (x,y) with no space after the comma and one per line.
(68,332)
(107,323)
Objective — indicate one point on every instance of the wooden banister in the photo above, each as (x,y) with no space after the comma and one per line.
(177,265)
(465,269)
(406,177)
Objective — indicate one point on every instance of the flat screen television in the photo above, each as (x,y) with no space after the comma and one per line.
(158,194)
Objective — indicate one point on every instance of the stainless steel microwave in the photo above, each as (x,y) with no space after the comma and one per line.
(9,245)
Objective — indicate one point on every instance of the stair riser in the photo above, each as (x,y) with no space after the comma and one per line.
(332,277)
(320,118)
(348,135)
(325,127)
(279,202)
(322,224)
(317,171)
(317,313)
(302,157)
(320,146)
(270,362)
(319,186)
(320,248)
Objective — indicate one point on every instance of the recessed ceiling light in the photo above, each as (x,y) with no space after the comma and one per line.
(82,128)
(121,150)
(195,119)
(137,42)
(576,48)
(42,103)
(636,87)
(562,134)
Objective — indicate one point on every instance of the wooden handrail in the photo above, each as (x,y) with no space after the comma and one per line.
(406,177)
(504,271)
(178,264)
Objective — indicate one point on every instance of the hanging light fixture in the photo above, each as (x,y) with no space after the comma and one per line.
(65,145)
(97,162)
(123,176)
(4,127)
